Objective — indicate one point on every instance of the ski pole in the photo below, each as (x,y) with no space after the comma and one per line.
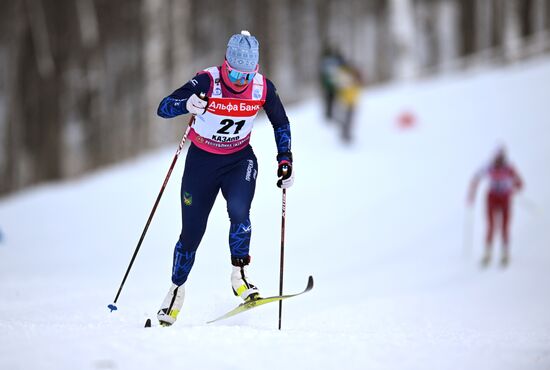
(113,306)
(468,230)
(529,205)
(281,269)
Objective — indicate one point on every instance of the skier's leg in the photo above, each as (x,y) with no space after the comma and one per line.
(490,229)
(238,187)
(194,220)
(490,221)
(505,213)
(198,193)
(196,206)
(199,189)
(346,125)
(329,102)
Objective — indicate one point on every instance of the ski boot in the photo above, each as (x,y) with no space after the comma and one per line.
(242,286)
(171,305)
(504,259)
(486,259)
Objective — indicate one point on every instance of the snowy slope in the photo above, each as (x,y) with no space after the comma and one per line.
(380,225)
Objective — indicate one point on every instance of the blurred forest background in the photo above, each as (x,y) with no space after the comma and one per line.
(80,80)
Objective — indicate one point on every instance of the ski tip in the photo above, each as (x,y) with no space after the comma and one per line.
(309,283)
(112,307)
(148,323)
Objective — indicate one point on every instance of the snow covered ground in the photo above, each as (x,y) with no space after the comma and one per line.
(381,225)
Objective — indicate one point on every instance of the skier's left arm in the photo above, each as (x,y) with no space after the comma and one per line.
(277,116)
(518,183)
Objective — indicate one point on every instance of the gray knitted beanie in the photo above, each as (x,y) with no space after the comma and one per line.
(243,52)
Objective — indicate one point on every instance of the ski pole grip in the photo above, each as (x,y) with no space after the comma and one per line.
(284,170)
(205,98)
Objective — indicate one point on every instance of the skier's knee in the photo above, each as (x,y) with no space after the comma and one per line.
(238,213)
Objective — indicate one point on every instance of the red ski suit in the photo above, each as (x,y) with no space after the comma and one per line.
(503,182)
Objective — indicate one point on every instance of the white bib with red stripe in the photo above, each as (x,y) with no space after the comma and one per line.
(227,124)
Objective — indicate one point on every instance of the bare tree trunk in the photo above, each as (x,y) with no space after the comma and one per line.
(14,20)
(370,40)
(468,27)
(41,38)
(357,37)
(180,68)
(38,94)
(531,19)
(427,40)
(324,20)
(542,33)
(82,139)
(180,42)
(282,70)
(385,53)
(524,9)
(447,29)
(403,32)
(484,19)
(512,42)
(154,56)
(306,47)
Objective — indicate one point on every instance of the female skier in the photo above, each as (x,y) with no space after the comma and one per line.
(224,100)
(503,183)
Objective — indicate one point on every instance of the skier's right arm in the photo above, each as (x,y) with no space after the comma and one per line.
(175,104)
(518,183)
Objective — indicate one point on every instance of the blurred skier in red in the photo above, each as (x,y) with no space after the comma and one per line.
(504,181)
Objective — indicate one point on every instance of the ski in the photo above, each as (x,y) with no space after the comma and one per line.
(261,301)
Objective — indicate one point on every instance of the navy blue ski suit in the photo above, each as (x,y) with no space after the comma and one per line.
(207,173)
